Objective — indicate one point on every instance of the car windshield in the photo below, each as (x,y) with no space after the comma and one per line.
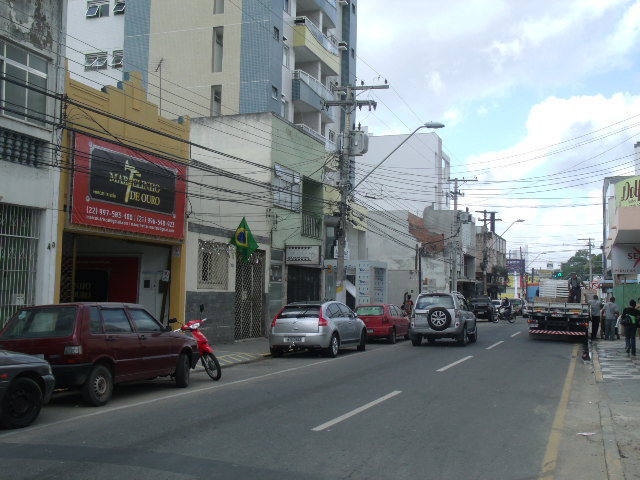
(370,310)
(300,311)
(429,301)
(41,323)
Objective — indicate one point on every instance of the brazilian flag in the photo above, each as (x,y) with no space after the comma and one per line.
(243,240)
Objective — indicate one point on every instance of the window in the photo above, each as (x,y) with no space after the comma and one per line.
(118,8)
(353,53)
(286,6)
(285,56)
(274,92)
(24,84)
(332,136)
(216,100)
(287,188)
(276,33)
(213,265)
(95,61)
(117,59)
(116,321)
(218,7)
(218,44)
(144,322)
(95,325)
(353,8)
(99,8)
(284,108)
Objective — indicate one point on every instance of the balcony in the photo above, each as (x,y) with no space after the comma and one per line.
(311,226)
(308,94)
(328,7)
(310,131)
(311,45)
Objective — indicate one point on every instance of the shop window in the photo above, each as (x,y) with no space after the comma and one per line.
(287,188)
(23,84)
(213,265)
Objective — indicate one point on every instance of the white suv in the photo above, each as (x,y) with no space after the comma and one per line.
(442,315)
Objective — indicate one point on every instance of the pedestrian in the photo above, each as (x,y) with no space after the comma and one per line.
(609,314)
(573,285)
(630,329)
(407,306)
(595,306)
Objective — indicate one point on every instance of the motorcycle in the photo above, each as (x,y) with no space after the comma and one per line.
(208,358)
(505,314)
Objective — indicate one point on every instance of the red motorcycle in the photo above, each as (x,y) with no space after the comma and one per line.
(209,360)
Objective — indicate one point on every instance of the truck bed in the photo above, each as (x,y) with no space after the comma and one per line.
(558,318)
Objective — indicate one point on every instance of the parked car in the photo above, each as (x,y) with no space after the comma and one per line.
(384,320)
(26,383)
(482,307)
(96,345)
(324,326)
(443,315)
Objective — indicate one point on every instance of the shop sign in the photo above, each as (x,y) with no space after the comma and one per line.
(303,255)
(625,259)
(628,192)
(515,265)
(118,188)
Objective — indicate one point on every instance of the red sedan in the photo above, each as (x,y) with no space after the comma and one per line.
(384,320)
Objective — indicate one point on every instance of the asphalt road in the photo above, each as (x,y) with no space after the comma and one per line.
(440,411)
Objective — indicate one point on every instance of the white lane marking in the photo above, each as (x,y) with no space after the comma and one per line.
(106,410)
(517,333)
(358,410)
(454,364)
(495,345)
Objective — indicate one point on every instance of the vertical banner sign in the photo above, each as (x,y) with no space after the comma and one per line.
(119,188)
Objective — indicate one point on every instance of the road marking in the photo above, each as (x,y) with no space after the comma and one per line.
(358,410)
(517,333)
(495,345)
(454,364)
(550,461)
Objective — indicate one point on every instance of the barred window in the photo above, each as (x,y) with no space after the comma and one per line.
(213,265)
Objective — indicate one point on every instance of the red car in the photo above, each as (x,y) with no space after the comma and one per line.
(97,345)
(384,320)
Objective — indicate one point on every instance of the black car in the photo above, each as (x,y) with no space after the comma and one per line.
(26,383)
(482,307)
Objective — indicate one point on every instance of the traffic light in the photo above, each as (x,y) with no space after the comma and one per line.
(557,274)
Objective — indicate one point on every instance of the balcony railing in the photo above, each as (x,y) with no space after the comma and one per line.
(330,44)
(313,83)
(310,131)
(311,226)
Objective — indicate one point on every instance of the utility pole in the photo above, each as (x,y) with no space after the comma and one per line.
(485,249)
(350,103)
(456,230)
(590,245)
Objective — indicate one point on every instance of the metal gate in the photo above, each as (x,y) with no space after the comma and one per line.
(19,233)
(249,313)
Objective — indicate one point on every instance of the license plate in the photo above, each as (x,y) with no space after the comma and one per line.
(294,339)
(369,330)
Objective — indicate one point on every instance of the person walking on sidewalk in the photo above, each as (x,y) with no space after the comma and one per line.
(609,314)
(595,306)
(630,329)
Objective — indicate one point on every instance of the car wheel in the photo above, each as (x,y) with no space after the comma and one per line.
(392,336)
(363,341)
(463,338)
(334,347)
(183,371)
(275,351)
(439,319)
(473,337)
(416,340)
(98,386)
(21,403)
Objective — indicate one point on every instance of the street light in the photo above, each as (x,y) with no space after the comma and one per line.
(426,125)
(512,223)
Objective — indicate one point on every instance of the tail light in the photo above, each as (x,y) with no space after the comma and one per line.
(322,322)
(273,322)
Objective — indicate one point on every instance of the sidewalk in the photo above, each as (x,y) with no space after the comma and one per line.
(242,351)
(618,376)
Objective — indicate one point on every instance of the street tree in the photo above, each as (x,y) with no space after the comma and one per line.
(579,263)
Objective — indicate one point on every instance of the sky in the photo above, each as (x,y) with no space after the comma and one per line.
(540,99)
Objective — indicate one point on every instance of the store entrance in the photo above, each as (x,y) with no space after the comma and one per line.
(303,284)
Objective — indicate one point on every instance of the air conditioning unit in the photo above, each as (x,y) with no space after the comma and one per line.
(342,45)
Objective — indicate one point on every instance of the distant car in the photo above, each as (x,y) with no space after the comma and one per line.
(324,326)
(95,345)
(442,315)
(517,306)
(26,383)
(384,321)
(482,307)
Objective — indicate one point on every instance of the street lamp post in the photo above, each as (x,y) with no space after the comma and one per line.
(512,223)
(341,293)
